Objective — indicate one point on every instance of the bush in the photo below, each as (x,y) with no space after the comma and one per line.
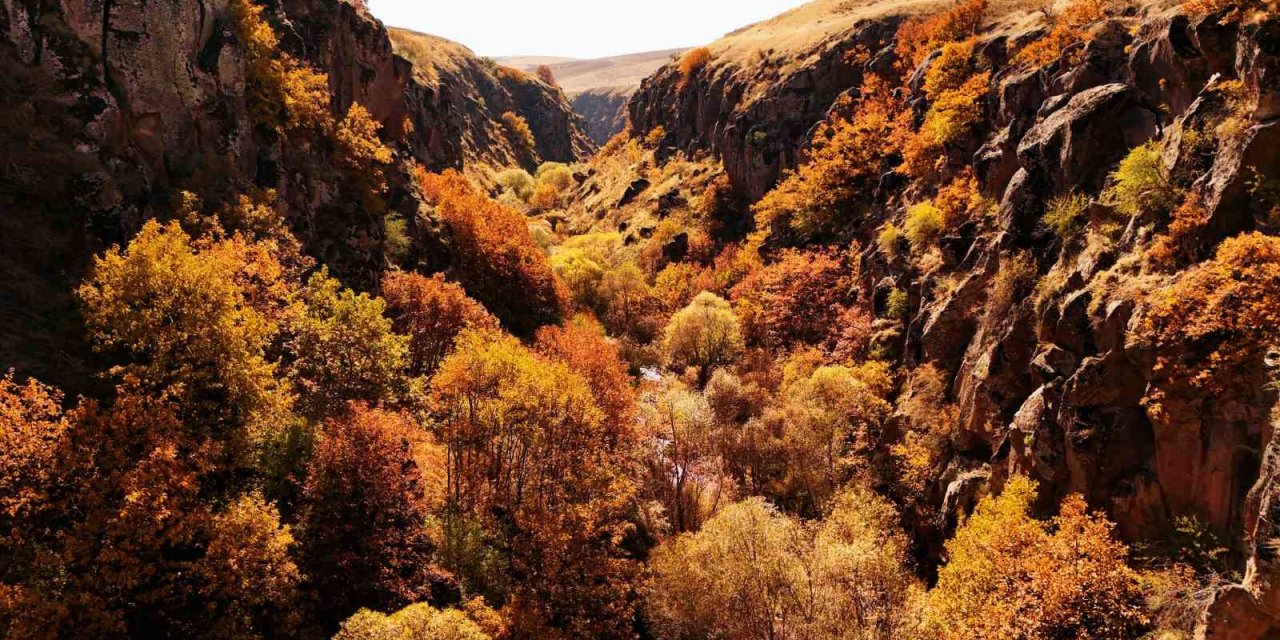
(1065,215)
(920,36)
(691,63)
(705,335)
(898,305)
(517,182)
(1009,575)
(890,240)
(1140,185)
(923,225)
(1213,326)
(519,133)
(1068,29)
(847,156)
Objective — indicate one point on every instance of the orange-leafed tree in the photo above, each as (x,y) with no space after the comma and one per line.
(582,345)
(920,36)
(432,312)
(533,462)
(362,533)
(494,257)
(139,548)
(847,156)
(800,297)
(1211,329)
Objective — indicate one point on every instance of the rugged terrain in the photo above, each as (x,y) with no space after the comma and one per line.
(119,107)
(886,320)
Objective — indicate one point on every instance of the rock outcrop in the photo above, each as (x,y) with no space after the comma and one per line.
(119,105)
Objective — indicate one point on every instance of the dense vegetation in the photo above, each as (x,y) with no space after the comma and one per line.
(568,433)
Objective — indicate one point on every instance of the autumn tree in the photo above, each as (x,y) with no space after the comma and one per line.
(417,621)
(495,258)
(846,157)
(362,534)
(1210,329)
(703,335)
(820,431)
(798,298)
(342,349)
(684,474)
(582,345)
(431,311)
(283,93)
(1009,575)
(32,428)
(754,573)
(192,319)
(140,548)
(519,133)
(532,455)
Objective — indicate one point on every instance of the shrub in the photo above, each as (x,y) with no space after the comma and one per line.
(1009,575)
(691,63)
(1068,29)
(920,36)
(705,335)
(923,225)
(890,240)
(1140,185)
(898,305)
(517,182)
(282,93)
(547,76)
(415,621)
(655,137)
(847,156)
(556,174)
(519,133)
(952,115)
(1065,215)
(1212,327)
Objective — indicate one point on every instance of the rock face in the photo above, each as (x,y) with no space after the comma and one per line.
(755,102)
(604,111)
(460,100)
(118,105)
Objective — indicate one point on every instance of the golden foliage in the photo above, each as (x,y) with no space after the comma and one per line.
(704,335)
(1011,576)
(846,158)
(283,93)
(1068,30)
(919,36)
(191,318)
(1211,328)
(691,63)
(754,573)
(519,133)
(495,257)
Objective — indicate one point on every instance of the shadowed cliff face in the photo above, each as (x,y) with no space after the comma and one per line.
(604,111)
(119,106)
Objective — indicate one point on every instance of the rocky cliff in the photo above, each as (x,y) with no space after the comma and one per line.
(117,106)
(604,111)
(1046,339)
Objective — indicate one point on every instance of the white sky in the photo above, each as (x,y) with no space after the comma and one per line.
(576,28)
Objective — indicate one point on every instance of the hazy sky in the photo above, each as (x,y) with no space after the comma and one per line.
(576,28)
